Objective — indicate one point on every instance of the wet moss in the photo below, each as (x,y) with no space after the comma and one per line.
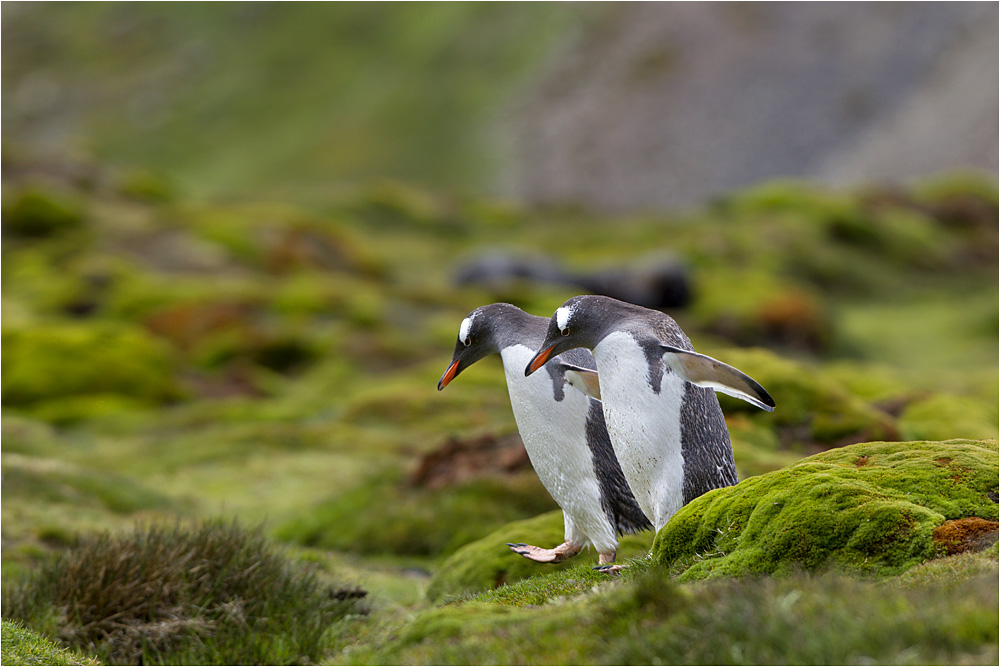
(869,507)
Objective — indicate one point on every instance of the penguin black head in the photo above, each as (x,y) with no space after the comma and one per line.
(481,334)
(583,321)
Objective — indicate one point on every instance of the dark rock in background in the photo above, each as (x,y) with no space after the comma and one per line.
(655,283)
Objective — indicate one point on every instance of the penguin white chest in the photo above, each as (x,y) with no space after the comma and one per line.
(644,424)
(554,432)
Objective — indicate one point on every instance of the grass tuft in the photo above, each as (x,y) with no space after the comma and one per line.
(213,593)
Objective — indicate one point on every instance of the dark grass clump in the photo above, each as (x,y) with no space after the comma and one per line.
(213,593)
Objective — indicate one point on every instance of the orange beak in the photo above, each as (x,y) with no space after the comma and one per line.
(539,360)
(449,375)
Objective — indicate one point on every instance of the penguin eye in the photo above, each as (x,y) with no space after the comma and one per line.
(467,341)
(565,331)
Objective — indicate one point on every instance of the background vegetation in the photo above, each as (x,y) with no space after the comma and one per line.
(197,331)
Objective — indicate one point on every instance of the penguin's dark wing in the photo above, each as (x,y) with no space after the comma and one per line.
(705,371)
(583,379)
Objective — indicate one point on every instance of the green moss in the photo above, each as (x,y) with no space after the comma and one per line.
(42,480)
(45,363)
(758,308)
(21,646)
(875,383)
(869,507)
(757,447)
(283,240)
(387,516)
(146,186)
(811,408)
(649,618)
(489,562)
(70,410)
(944,416)
(37,212)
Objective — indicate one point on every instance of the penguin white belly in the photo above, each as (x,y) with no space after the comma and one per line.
(645,426)
(555,436)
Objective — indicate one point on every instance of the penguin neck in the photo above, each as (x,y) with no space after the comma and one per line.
(515,357)
(517,327)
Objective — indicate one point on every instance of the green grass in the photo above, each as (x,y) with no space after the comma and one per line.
(489,564)
(352,92)
(213,593)
(645,617)
(21,646)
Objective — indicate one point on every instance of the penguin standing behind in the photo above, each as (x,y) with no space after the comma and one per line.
(664,420)
(562,429)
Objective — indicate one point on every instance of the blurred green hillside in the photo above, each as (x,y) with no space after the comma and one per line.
(292,99)
(165,358)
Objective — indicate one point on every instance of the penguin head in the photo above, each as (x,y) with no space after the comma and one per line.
(477,338)
(580,322)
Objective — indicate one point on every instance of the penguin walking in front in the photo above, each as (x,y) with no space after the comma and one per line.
(562,429)
(664,419)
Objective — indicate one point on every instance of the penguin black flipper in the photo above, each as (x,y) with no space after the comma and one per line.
(704,371)
(582,379)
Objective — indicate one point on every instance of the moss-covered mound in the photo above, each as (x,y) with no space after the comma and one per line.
(489,563)
(944,612)
(70,361)
(871,507)
(391,517)
(813,408)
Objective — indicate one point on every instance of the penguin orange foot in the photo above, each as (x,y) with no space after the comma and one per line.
(562,552)
(610,568)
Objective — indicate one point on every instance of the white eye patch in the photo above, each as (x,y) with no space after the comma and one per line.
(562,317)
(463,331)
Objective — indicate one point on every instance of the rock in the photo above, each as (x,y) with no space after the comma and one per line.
(872,508)
(461,460)
(660,282)
(662,105)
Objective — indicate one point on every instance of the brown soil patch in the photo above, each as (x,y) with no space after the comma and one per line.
(968,534)
(862,461)
(459,460)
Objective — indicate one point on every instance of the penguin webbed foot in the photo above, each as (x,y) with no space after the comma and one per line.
(540,555)
(610,568)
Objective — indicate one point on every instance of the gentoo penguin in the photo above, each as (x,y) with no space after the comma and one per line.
(562,429)
(664,420)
